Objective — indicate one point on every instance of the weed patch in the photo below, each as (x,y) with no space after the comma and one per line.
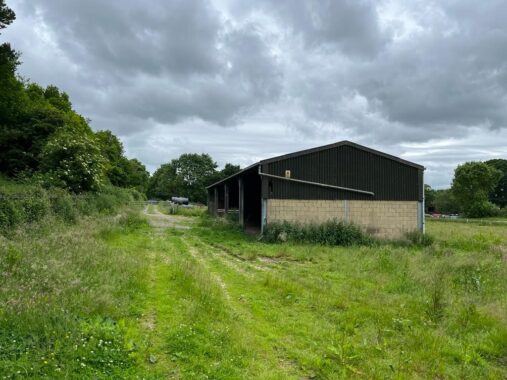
(419,239)
(132,221)
(172,209)
(333,232)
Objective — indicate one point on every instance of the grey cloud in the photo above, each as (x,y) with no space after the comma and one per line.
(450,76)
(166,60)
(351,26)
(249,77)
(453,73)
(454,86)
(127,37)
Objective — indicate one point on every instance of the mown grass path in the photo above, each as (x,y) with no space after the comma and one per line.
(222,305)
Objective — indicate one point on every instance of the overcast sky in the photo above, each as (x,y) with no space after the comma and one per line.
(246,80)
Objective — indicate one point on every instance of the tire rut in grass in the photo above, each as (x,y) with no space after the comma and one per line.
(234,260)
(194,252)
(241,307)
(153,322)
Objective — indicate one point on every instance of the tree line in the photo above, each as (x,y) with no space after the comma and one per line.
(479,189)
(44,140)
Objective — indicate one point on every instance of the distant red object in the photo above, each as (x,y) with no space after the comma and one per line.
(436,215)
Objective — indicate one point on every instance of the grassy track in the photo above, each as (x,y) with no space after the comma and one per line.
(229,307)
(207,302)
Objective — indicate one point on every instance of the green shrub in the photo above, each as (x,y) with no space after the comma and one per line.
(333,232)
(137,195)
(35,205)
(502,213)
(481,209)
(74,161)
(63,206)
(85,204)
(24,202)
(108,200)
(105,203)
(10,213)
(436,303)
(219,224)
(28,207)
(232,217)
(173,209)
(132,221)
(417,238)
(168,208)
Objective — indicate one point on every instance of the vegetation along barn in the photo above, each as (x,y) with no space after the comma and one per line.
(382,194)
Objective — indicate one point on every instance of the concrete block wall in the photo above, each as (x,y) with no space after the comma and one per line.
(383,219)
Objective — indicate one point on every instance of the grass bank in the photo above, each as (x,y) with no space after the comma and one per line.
(67,301)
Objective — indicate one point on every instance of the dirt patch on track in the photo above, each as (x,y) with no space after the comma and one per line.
(159,220)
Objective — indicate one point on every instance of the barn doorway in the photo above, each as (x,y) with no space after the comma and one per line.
(252,212)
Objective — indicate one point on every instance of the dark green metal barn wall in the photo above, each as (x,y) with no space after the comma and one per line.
(344,166)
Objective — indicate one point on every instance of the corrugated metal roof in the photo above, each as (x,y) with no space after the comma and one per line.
(337,144)
(320,149)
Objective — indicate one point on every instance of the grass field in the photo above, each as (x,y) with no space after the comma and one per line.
(208,302)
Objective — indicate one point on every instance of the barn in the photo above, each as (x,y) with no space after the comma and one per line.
(381,193)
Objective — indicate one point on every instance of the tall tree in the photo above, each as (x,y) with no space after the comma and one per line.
(229,169)
(11,88)
(195,171)
(137,176)
(112,150)
(471,186)
(445,202)
(164,183)
(120,170)
(40,132)
(40,113)
(188,176)
(499,194)
(7,15)
(59,100)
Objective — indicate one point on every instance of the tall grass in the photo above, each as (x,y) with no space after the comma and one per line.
(25,205)
(172,209)
(333,232)
(66,299)
(64,294)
